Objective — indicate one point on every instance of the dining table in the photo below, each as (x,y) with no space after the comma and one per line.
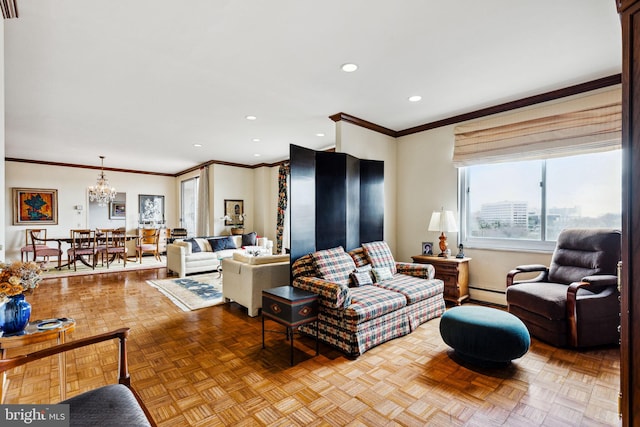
(69,240)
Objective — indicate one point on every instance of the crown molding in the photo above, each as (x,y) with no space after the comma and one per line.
(604,82)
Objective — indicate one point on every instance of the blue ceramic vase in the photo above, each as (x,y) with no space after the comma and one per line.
(14,315)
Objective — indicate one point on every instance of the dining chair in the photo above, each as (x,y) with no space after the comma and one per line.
(39,246)
(113,245)
(83,245)
(28,246)
(148,242)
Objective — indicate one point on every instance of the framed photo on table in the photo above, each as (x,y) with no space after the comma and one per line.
(35,206)
(427,248)
(151,208)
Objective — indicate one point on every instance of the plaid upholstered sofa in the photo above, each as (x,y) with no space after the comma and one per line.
(357,314)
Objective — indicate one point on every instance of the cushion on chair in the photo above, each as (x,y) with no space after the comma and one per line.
(382,273)
(359,257)
(112,405)
(380,255)
(549,299)
(221,243)
(584,252)
(195,247)
(249,239)
(303,267)
(334,265)
(361,278)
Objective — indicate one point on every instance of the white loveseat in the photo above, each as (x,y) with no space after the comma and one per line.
(183,260)
(244,278)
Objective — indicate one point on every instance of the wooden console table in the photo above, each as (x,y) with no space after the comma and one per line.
(454,272)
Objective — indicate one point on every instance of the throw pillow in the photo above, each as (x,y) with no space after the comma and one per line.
(195,247)
(303,267)
(382,273)
(221,243)
(249,239)
(334,265)
(380,255)
(361,278)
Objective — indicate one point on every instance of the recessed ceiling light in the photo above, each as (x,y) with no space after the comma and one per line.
(257,155)
(197,145)
(349,68)
(256,139)
(319,134)
(250,117)
(415,98)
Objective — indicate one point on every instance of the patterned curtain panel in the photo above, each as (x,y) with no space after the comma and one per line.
(283,174)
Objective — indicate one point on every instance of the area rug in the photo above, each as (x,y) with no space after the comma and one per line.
(192,292)
(148,262)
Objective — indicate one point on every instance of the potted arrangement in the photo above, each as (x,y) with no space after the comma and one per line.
(236,221)
(16,279)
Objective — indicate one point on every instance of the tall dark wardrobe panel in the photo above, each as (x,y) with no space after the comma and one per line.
(331,193)
(371,200)
(354,209)
(302,181)
(341,194)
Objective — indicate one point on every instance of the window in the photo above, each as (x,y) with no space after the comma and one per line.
(525,205)
(189,205)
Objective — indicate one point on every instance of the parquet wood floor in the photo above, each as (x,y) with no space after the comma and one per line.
(208,368)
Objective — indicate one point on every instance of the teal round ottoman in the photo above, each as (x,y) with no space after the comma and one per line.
(484,336)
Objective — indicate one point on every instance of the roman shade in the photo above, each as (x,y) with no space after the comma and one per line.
(581,125)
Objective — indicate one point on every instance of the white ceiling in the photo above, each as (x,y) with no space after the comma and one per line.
(141,81)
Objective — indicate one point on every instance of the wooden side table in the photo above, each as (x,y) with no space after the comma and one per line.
(35,332)
(290,307)
(454,272)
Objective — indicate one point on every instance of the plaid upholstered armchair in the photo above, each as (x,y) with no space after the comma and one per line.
(573,302)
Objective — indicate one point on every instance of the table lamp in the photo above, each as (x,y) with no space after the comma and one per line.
(443,221)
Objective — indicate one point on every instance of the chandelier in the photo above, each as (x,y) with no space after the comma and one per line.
(102,192)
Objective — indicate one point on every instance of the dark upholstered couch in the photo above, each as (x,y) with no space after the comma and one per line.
(357,318)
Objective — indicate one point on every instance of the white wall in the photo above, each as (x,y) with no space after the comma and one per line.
(265,184)
(420,178)
(72,184)
(427,181)
(366,144)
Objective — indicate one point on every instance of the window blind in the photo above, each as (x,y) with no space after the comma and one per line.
(581,125)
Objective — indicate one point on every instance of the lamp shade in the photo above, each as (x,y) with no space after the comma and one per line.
(443,221)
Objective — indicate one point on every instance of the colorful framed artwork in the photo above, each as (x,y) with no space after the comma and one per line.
(151,209)
(35,206)
(117,210)
(234,212)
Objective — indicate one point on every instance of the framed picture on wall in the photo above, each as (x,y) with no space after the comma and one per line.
(427,248)
(151,208)
(35,206)
(117,210)
(234,212)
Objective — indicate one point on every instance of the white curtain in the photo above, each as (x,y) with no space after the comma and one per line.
(578,126)
(202,224)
